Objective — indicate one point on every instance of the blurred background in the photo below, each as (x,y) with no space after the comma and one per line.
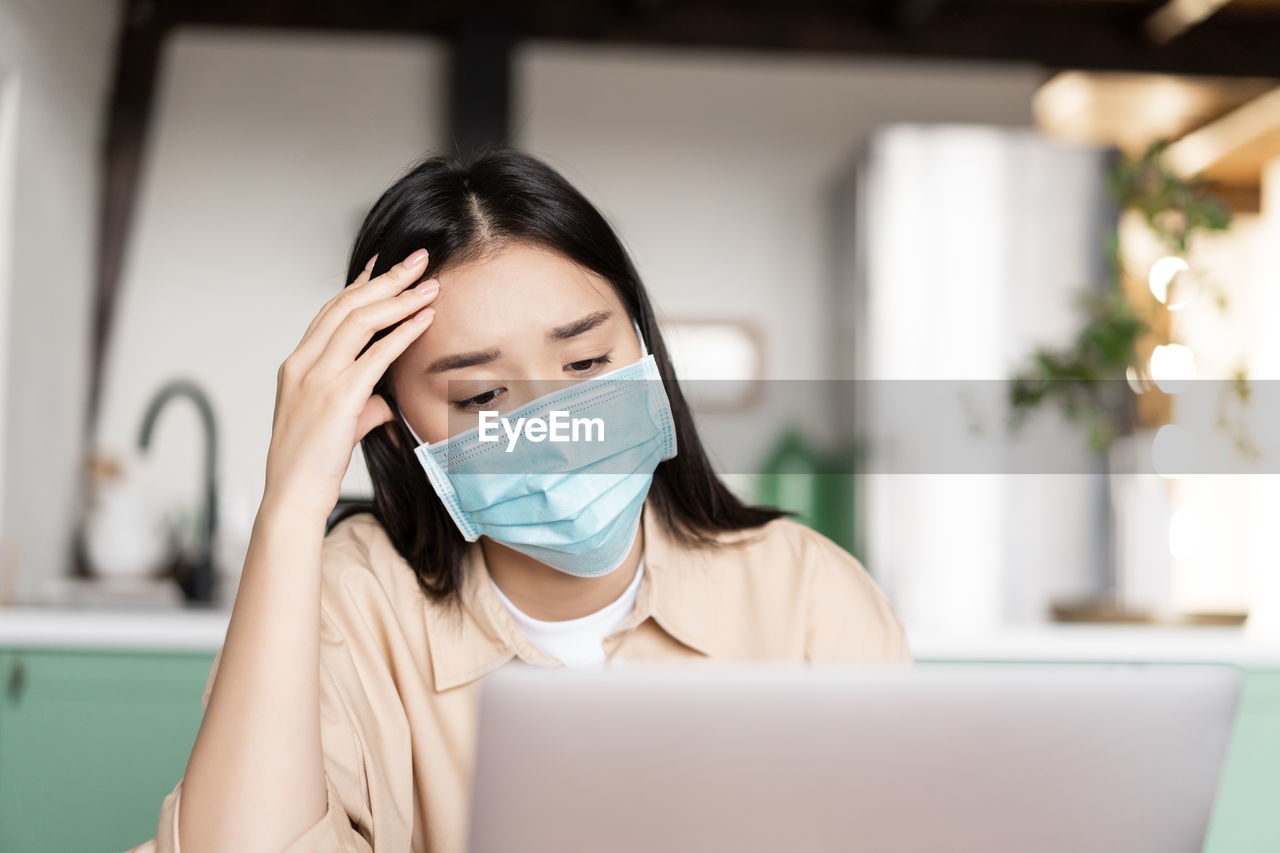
(861,223)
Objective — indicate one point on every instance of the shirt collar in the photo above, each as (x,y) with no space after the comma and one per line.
(480,635)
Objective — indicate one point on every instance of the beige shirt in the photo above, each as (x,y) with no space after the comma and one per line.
(399,675)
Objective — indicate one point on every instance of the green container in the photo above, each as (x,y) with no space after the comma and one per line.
(818,486)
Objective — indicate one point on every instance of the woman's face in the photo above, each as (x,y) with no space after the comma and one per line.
(518,323)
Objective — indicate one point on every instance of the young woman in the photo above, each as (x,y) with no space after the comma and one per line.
(340,712)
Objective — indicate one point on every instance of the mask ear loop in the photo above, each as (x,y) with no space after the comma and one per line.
(417,441)
(644,350)
(400,417)
(411,432)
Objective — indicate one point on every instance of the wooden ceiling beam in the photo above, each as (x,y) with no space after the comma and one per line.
(1085,34)
(1234,147)
(480,85)
(1175,17)
(127,119)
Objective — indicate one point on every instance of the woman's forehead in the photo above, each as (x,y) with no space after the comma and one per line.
(511,292)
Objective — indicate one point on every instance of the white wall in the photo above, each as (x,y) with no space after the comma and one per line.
(267,150)
(56,58)
(713,166)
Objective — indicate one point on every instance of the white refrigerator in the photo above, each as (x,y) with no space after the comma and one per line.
(959,249)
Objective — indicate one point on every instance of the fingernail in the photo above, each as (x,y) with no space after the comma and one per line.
(427,287)
(372,261)
(416,258)
(424,315)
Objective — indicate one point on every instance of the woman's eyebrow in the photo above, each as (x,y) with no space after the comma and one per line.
(462,359)
(559,333)
(578,327)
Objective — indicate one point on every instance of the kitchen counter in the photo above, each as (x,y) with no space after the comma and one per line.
(189,629)
(1100,644)
(157,629)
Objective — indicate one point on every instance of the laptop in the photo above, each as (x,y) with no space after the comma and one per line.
(712,757)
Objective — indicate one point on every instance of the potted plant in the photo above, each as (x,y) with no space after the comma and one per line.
(1104,380)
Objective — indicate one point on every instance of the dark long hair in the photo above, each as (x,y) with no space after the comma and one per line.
(457,209)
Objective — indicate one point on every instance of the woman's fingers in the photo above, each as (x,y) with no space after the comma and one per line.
(376,412)
(372,289)
(357,295)
(359,281)
(355,330)
(374,362)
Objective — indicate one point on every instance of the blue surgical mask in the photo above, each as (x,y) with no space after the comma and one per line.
(572,504)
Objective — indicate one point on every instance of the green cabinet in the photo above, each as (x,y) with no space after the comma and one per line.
(90,744)
(1246,816)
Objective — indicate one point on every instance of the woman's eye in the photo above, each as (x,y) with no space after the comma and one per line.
(588,364)
(479,401)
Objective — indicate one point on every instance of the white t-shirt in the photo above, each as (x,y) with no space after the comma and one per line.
(577,642)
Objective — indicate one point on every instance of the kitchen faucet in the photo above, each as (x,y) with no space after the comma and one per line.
(198,580)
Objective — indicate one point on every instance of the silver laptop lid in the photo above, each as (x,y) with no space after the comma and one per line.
(784,758)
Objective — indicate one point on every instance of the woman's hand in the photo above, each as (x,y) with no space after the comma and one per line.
(262,718)
(324,394)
